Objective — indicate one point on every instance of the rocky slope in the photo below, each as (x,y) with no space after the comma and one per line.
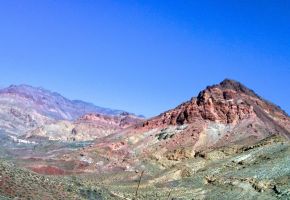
(16,183)
(259,171)
(88,127)
(222,115)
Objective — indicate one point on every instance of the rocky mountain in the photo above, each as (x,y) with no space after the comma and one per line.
(226,143)
(24,109)
(224,114)
(228,105)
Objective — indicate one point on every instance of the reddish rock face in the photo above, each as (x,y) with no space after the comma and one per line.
(226,106)
(228,103)
(124,120)
(215,103)
(48,170)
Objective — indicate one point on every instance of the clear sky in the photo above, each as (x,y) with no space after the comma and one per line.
(145,56)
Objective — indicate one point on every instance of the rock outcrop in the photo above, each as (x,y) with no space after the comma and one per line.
(229,102)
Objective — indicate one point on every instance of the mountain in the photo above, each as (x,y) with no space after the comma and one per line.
(228,105)
(25,108)
(214,142)
(225,143)
(224,114)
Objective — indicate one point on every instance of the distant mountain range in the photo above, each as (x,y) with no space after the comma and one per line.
(52,104)
(24,108)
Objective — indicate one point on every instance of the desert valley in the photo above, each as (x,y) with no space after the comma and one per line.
(225,143)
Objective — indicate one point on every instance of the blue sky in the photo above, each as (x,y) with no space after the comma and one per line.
(145,56)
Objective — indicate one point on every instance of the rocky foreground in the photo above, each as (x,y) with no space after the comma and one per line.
(259,171)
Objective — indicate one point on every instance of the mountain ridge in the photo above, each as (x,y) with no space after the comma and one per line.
(226,143)
(25,108)
(32,92)
(222,115)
